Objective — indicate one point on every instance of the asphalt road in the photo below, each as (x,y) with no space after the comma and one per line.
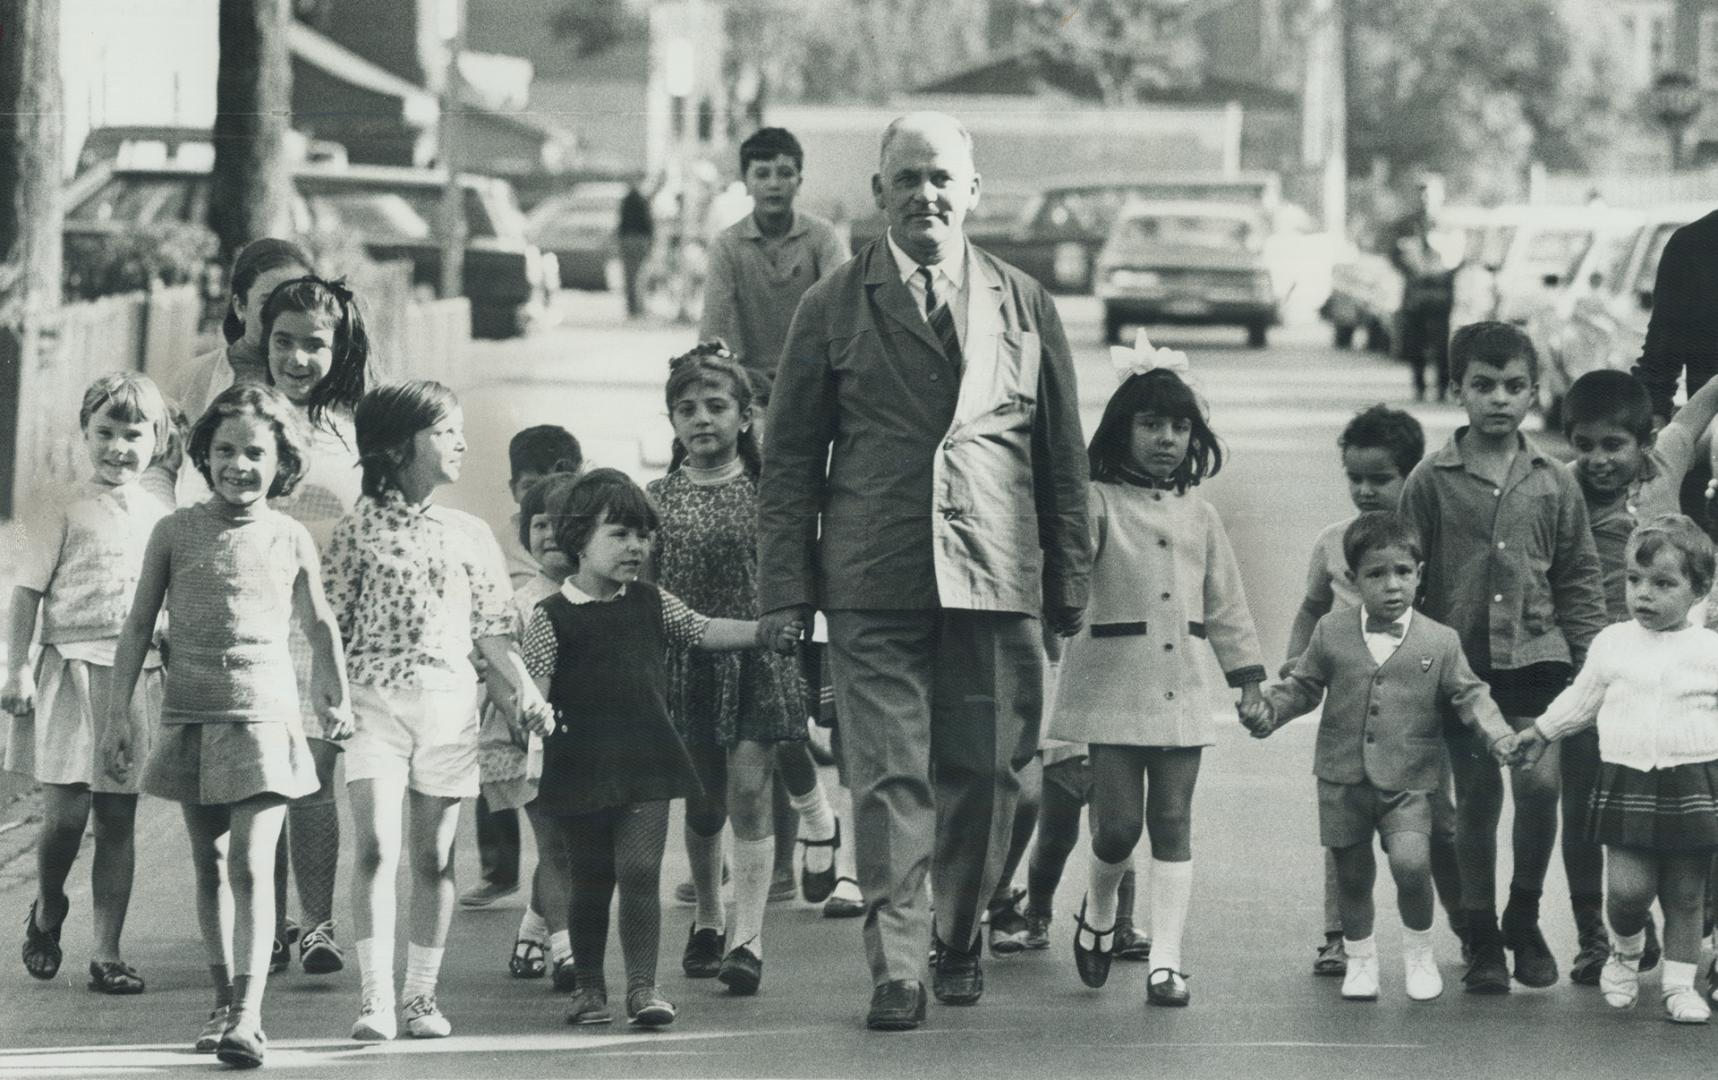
(1257,1011)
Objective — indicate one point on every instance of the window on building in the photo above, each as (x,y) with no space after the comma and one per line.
(1659,42)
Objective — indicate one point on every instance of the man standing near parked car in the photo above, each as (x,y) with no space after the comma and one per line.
(1682,336)
(1427,256)
(637,231)
(762,264)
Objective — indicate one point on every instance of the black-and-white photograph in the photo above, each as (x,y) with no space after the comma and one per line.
(953,539)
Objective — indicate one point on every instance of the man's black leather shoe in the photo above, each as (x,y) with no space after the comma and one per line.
(956,977)
(897,1006)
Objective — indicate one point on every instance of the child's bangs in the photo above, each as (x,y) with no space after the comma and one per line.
(1168,397)
(628,506)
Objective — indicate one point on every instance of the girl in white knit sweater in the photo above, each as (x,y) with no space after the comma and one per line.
(1651,685)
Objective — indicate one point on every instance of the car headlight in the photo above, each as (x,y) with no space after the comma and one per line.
(1135,279)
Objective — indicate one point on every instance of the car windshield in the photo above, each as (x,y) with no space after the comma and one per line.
(1556,251)
(1192,230)
(148,200)
(402,213)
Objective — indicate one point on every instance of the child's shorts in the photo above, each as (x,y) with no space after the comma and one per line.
(223,763)
(426,739)
(1350,814)
(1072,776)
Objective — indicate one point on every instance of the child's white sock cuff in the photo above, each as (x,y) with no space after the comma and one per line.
(1416,940)
(1678,976)
(560,946)
(532,927)
(375,967)
(1101,897)
(423,965)
(1364,949)
(816,820)
(1629,944)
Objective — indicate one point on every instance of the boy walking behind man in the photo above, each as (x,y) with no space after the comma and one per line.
(1389,673)
(1511,567)
(762,264)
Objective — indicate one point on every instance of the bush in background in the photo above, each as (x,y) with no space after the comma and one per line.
(136,259)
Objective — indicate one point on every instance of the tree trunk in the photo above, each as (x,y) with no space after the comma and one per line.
(250,189)
(31,213)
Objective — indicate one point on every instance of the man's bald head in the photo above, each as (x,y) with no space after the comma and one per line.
(932,126)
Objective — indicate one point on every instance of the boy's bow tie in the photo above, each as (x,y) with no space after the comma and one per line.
(1376,625)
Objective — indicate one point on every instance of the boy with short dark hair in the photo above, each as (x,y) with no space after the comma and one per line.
(1389,673)
(1380,446)
(1512,568)
(762,264)
(1628,474)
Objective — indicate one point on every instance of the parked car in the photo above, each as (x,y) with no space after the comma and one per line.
(578,226)
(1187,262)
(392,211)
(1055,234)
(1606,326)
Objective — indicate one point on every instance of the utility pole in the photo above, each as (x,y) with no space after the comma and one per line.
(250,185)
(31,209)
(1324,105)
(452,223)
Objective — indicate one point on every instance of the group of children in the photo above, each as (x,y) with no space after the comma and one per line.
(1487,607)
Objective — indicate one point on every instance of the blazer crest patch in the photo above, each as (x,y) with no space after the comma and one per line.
(1425,663)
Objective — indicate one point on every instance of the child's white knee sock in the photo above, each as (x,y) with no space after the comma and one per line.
(816,822)
(1103,881)
(754,861)
(423,965)
(1171,893)
(376,967)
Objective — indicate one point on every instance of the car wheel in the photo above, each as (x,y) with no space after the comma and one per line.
(1257,333)
(1377,338)
(1344,336)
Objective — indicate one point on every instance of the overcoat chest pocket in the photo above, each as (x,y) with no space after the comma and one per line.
(1001,376)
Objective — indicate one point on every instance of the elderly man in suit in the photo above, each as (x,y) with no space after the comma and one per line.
(924,485)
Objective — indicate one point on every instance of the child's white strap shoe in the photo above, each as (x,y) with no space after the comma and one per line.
(1619,980)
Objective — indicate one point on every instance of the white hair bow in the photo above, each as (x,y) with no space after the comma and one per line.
(1144,357)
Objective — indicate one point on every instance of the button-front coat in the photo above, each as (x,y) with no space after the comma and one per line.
(1164,583)
(936,486)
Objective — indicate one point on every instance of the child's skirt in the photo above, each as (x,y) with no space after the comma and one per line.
(503,760)
(61,741)
(1674,809)
(219,763)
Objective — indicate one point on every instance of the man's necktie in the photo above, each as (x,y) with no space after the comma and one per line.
(941,320)
(1375,625)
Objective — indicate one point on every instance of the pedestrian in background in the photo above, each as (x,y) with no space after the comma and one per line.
(1163,577)
(763,263)
(637,232)
(80,559)
(926,414)
(1427,256)
(234,575)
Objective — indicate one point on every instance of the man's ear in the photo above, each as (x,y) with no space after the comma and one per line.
(877,191)
(1349,574)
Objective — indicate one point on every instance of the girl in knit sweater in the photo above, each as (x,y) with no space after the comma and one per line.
(234,574)
(1651,686)
(1164,582)
(78,562)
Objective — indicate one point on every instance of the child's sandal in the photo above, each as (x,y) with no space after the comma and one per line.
(528,960)
(213,1028)
(41,951)
(114,977)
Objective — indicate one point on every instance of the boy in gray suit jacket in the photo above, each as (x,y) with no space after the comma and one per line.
(1388,672)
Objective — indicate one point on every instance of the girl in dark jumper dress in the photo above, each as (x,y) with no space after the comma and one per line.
(613,761)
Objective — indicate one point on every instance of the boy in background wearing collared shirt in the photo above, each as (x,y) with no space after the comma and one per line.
(1511,567)
(762,264)
(1379,762)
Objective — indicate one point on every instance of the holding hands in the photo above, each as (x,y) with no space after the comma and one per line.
(782,630)
(119,747)
(1256,712)
(18,697)
(534,714)
(1521,749)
